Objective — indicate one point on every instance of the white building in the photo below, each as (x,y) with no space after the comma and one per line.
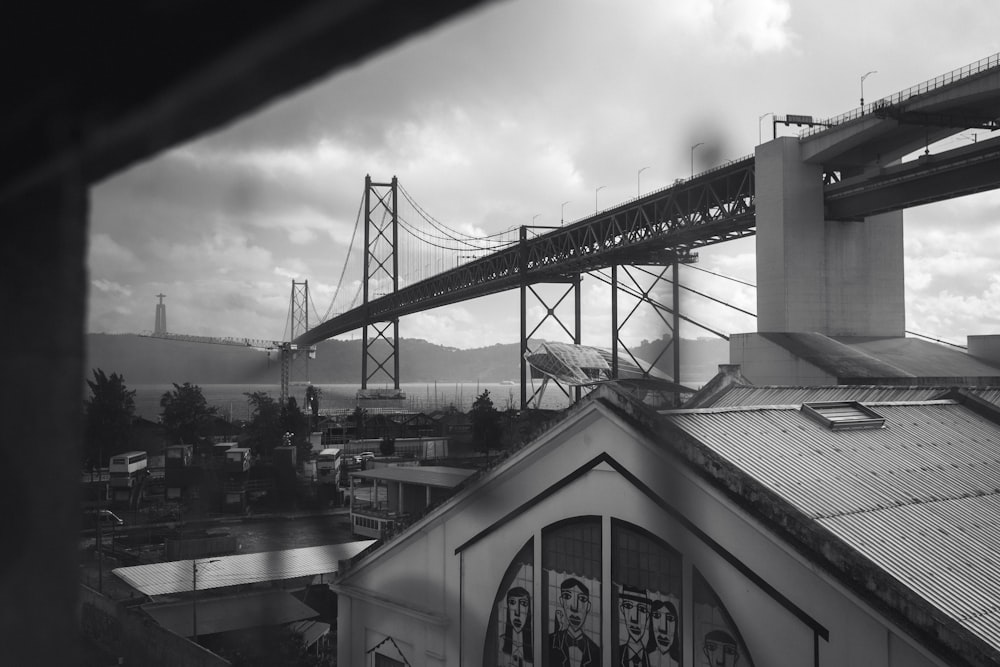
(769,536)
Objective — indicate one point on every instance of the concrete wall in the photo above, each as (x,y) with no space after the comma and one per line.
(765,363)
(815,275)
(135,637)
(435,598)
(985,347)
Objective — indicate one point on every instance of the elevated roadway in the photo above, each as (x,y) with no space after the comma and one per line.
(860,154)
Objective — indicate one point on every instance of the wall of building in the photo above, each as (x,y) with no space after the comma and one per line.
(766,363)
(443,581)
(985,347)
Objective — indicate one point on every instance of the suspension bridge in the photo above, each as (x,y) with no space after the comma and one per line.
(835,192)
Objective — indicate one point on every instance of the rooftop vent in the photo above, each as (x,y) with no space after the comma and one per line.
(843,415)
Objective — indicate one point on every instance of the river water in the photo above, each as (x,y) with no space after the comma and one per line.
(231,402)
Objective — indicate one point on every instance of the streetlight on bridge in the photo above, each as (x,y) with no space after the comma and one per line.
(863,87)
(638,187)
(760,119)
(599,188)
(562,212)
(700,143)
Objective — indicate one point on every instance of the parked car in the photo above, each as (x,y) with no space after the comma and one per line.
(359,459)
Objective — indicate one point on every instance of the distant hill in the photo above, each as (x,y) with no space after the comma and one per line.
(143,360)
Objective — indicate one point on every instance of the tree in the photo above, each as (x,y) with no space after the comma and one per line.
(265,429)
(108,418)
(387,447)
(313,394)
(186,414)
(359,418)
(294,421)
(486,427)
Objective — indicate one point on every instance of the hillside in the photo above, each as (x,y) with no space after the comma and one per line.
(143,360)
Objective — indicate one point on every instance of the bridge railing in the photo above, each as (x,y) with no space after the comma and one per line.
(940,81)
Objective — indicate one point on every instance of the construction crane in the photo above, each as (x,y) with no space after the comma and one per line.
(294,359)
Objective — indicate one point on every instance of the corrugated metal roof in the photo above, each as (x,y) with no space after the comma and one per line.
(177,576)
(437,476)
(920,497)
(737,395)
(252,610)
(990,394)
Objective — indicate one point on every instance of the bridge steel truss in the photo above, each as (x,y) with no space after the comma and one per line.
(712,207)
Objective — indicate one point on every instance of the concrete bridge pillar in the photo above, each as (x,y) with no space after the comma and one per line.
(816,275)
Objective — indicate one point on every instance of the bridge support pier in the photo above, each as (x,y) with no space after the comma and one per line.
(838,278)
(572,287)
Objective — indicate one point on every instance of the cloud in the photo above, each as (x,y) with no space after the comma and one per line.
(109,287)
(107,255)
(493,121)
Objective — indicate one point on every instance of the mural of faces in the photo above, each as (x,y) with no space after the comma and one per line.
(517,643)
(574,603)
(664,620)
(634,607)
(721,649)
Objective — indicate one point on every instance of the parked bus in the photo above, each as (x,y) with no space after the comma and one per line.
(328,466)
(127,464)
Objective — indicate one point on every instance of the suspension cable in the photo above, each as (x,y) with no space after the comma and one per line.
(632,292)
(720,275)
(350,249)
(689,289)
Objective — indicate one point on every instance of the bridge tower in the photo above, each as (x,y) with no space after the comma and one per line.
(381,277)
(295,360)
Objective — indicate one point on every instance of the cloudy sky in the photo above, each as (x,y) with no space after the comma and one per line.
(497,118)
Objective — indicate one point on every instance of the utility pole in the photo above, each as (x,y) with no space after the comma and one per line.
(194,595)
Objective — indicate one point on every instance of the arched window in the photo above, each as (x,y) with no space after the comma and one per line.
(509,641)
(649,617)
(717,639)
(571,592)
(647,593)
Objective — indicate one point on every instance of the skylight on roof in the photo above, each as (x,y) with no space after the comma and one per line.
(843,415)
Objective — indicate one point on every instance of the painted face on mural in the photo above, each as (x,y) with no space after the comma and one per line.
(634,607)
(664,617)
(574,598)
(720,649)
(518,604)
